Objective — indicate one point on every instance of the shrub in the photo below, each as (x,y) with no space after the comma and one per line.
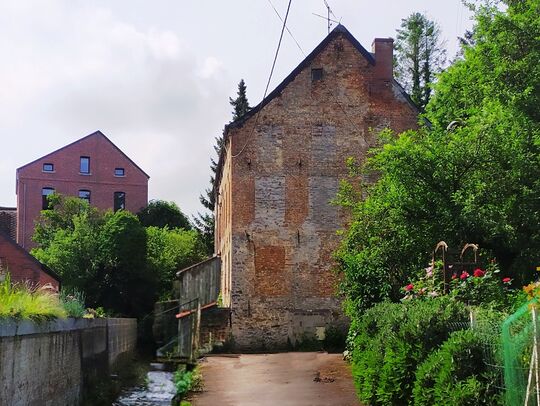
(456,374)
(389,341)
(73,303)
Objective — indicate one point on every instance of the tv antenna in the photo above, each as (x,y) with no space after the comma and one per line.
(329,13)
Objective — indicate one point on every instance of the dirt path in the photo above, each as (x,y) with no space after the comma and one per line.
(299,379)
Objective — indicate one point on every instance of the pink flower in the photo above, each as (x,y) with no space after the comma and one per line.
(478,273)
(433,294)
(409,287)
(429,271)
(464,275)
(422,291)
(507,280)
(454,276)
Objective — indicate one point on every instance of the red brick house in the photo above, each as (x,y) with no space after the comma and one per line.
(91,168)
(23,267)
(279,169)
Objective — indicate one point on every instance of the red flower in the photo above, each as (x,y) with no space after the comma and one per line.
(409,287)
(454,276)
(478,273)
(464,275)
(507,280)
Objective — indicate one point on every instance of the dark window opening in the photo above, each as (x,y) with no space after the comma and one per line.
(119,201)
(316,74)
(119,172)
(48,167)
(45,192)
(85,164)
(84,194)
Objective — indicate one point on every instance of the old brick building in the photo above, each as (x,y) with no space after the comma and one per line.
(279,170)
(22,266)
(91,168)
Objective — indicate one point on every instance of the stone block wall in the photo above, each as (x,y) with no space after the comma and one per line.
(53,363)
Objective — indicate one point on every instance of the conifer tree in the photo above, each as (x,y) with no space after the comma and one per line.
(420,55)
(205,221)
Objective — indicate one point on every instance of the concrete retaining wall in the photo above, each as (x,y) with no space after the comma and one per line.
(52,363)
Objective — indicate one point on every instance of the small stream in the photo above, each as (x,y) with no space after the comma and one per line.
(158,390)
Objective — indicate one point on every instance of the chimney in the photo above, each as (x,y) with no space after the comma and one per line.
(383,50)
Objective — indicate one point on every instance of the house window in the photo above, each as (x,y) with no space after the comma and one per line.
(316,74)
(85,165)
(119,201)
(84,194)
(48,167)
(46,191)
(119,172)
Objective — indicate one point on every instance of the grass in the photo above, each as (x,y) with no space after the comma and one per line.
(73,303)
(20,301)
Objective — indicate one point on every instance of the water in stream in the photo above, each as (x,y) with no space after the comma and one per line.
(158,390)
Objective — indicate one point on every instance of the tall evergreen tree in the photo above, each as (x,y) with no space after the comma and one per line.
(420,55)
(205,221)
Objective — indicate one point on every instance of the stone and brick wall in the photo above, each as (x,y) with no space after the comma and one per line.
(279,178)
(66,179)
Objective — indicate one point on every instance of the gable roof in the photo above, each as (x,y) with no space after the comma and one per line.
(94,134)
(43,267)
(8,221)
(338,30)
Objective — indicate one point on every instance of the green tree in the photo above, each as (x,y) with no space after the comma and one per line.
(204,222)
(476,180)
(420,55)
(160,213)
(170,251)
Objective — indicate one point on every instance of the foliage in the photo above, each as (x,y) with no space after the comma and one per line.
(389,340)
(474,287)
(457,374)
(420,55)
(160,213)
(73,302)
(117,263)
(186,381)
(171,250)
(204,222)
(20,301)
(476,180)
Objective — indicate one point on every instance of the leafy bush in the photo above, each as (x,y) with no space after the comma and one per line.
(73,303)
(389,340)
(456,374)
(186,381)
(19,301)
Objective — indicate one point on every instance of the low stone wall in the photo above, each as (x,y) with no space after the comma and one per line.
(52,363)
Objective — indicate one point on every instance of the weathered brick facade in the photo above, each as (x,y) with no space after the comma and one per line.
(66,178)
(280,168)
(22,266)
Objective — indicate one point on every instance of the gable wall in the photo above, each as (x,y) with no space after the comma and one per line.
(283,229)
(67,180)
(21,266)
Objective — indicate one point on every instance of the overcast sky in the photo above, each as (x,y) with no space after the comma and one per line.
(155,76)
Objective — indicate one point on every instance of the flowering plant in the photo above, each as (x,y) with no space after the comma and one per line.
(481,285)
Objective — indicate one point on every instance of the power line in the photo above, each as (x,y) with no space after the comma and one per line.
(269,80)
(287,28)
